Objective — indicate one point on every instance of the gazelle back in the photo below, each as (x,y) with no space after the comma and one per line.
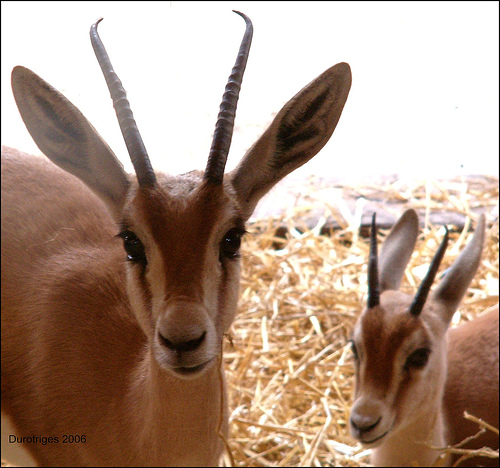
(117,289)
(414,378)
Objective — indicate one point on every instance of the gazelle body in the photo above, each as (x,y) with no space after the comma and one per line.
(119,347)
(414,377)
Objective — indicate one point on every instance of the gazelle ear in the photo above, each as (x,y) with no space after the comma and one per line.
(396,251)
(66,137)
(297,133)
(453,286)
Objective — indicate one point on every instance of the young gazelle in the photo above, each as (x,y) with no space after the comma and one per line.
(414,378)
(116,289)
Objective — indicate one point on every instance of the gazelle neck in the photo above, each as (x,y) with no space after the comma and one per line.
(413,443)
(164,408)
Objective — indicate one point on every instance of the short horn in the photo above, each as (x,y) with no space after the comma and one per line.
(223,133)
(425,286)
(130,132)
(373,282)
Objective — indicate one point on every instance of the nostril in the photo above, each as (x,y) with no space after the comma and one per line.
(183,346)
(364,425)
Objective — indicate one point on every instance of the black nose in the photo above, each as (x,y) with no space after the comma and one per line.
(183,346)
(363,424)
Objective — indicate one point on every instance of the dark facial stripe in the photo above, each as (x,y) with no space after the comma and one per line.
(182,231)
(382,341)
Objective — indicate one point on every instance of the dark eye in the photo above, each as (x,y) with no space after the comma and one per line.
(230,243)
(418,358)
(133,247)
(354,350)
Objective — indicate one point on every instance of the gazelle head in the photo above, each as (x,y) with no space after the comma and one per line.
(182,233)
(399,341)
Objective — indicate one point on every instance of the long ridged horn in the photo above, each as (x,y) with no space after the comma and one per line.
(425,286)
(373,282)
(223,133)
(130,132)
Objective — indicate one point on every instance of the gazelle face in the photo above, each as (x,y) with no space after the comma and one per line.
(182,240)
(397,355)
(182,234)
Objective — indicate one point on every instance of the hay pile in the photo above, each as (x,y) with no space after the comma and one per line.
(289,371)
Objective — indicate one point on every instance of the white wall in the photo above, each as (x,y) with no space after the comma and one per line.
(424,99)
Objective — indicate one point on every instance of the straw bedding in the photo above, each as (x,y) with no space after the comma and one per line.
(288,366)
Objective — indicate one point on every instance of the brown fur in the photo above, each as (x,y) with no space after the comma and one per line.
(473,381)
(398,410)
(127,354)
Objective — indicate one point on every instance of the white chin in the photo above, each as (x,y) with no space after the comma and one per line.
(189,373)
(374,441)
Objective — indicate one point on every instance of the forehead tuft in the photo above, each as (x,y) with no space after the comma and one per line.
(383,326)
(180,186)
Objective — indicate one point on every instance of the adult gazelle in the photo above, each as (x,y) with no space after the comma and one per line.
(117,289)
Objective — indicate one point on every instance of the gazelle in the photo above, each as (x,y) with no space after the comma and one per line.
(116,289)
(414,377)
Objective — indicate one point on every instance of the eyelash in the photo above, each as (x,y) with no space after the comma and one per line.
(134,247)
(354,350)
(418,359)
(230,244)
